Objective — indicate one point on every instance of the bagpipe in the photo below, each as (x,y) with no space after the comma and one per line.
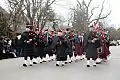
(99,31)
(30,37)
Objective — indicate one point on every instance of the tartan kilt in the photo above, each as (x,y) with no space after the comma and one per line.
(105,52)
(28,50)
(78,49)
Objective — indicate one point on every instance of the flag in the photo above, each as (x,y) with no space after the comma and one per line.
(40,28)
(96,26)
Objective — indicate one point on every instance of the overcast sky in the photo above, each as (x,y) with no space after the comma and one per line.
(63,8)
(113,5)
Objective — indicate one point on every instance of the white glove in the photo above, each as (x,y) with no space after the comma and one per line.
(60,42)
(30,39)
(25,41)
(93,41)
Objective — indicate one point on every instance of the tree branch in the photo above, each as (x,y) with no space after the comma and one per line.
(92,13)
(89,3)
(85,4)
(51,2)
(100,17)
(80,6)
(100,12)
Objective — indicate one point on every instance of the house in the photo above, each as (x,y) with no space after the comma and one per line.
(21,24)
(4,12)
(6,15)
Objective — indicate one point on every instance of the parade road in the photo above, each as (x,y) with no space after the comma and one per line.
(12,69)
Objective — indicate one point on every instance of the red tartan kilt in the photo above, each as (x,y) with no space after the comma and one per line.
(82,50)
(78,49)
(105,52)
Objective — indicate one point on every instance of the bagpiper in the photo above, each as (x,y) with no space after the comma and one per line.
(90,46)
(27,40)
(53,45)
(105,46)
(61,48)
(69,51)
(39,48)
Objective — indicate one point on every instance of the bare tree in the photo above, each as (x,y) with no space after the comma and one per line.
(60,20)
(114,34)
(16,10)
(26,10)
(104,23)
(82,15)
(40,7)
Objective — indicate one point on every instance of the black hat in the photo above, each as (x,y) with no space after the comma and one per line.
(29,26)
(91,26)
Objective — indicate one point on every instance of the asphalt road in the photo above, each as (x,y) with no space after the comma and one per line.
(12,69)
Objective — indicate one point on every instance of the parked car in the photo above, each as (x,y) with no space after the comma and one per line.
(114,43)
(118,42)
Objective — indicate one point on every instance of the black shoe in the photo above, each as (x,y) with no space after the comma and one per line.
(94,65)
(98,62)
(30,65)
(81,59)
(57,64)
(40,62)
(88,65)
(66,62)
(70,62)
(63,65)
(44,61)
(34,63)
(25,65)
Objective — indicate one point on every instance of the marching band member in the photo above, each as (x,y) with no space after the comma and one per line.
(50,53)
(61,47)
(27,39)
(82,56)
(90,46)
(82,45)
(39,47)
(45,35)
(105,47)
(69,51)
(53,45)
(76,40)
